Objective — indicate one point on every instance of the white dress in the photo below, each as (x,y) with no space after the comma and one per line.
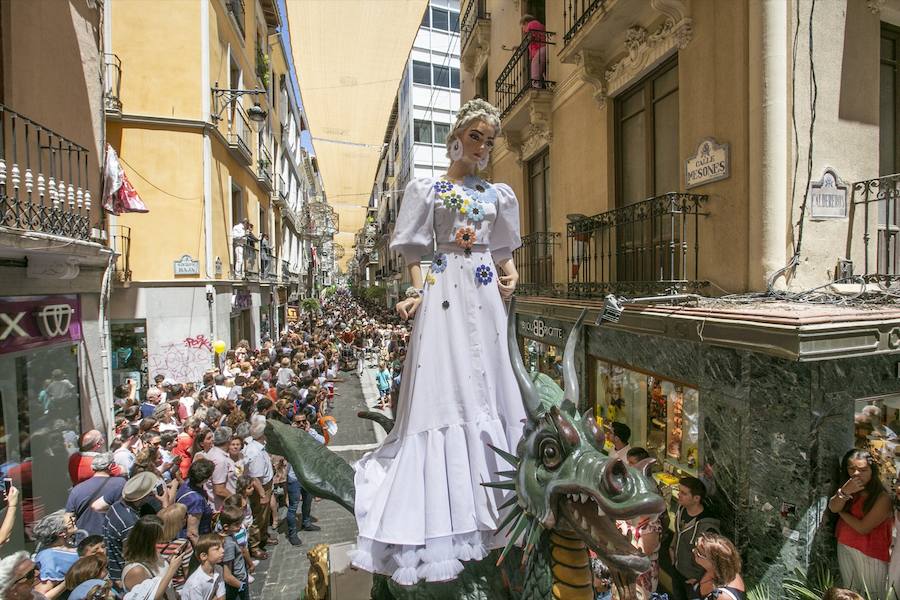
(420,505)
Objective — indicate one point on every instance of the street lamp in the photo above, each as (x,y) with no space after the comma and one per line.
(224,97)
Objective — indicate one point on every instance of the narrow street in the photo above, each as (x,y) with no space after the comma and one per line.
(283,576)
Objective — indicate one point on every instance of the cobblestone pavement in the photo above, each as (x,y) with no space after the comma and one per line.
(283,576)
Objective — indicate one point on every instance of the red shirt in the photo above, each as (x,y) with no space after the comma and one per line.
(80,467)
(876,543)
(535,30)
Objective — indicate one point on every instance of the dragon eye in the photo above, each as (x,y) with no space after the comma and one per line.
(551,453)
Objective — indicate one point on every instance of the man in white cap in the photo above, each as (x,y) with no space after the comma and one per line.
(90,499)
(122,515)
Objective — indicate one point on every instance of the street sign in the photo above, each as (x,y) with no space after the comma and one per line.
(186,266)
(828,197)
(712,162)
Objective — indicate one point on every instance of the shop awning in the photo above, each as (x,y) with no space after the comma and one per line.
(349,56)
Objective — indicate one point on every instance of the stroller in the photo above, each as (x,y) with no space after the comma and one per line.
(348,361)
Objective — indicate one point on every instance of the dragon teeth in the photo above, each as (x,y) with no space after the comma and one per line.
(600,511)
(584,498)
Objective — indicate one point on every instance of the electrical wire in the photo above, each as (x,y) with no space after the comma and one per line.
(142,176)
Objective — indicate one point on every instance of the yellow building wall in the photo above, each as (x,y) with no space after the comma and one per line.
(165,167)
(159,45)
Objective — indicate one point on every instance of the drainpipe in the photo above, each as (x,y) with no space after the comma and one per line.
(768,191)
(205,102)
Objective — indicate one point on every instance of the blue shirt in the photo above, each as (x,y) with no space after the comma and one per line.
(55,563)
(120,518)
(197,504)
(83,494)
(383,378)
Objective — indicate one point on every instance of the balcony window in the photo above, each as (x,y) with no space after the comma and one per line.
(439,19)
(441,131)
(539,191)
(647,156)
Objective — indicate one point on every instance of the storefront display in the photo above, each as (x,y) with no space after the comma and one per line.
(40,396)
(662,415)
(543,358)
(876,427)
(129,352)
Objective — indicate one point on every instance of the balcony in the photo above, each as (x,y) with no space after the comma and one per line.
(245,259)
(112,85)
(647,247)
(41,178)
(878,201)
(268,264)
(524,92)
(120,243)
(525,73)
(281,186)
(264,173)
(238,133)
(616,42)
(534,263)
(475,35)
(285,272)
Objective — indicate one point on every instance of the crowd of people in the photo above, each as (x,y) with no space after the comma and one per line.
(186,500)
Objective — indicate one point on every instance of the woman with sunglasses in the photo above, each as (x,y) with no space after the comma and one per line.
(864,530)
(18,574)
(721,563)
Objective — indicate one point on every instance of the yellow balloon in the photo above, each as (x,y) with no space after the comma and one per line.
(219,346)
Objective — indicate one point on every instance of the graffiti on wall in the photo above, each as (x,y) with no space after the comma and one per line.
(183,361)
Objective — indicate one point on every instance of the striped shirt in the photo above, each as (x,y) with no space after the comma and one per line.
(120,518)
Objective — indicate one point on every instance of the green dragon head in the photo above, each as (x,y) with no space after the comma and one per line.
(563,478)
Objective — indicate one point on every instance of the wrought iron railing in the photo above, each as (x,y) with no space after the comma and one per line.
(120,243)
(879,201)
(525,71)
(268,263)
(264,166)
(43,179)
(239,130)
(652,245)
(576,13)
(245,259)
(475,10)
(112,84)
(236,8)
(534,263)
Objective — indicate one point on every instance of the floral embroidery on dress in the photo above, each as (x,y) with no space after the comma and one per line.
(465,206)
(483,274)
(452,199)
(479,190)
(439,263)
(430,279)
(442,186)
(465,237)
(476,212)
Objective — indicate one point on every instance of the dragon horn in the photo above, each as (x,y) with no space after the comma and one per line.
(570,376)
(530,398)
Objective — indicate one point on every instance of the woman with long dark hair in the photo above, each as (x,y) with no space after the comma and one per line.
(864,529)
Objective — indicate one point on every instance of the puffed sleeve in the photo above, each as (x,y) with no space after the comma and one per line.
(414,232)
(505,235)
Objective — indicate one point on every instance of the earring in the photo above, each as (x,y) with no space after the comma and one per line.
(483,163)
(456,150)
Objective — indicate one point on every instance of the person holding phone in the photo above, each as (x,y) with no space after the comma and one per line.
(11,500)
(145,563)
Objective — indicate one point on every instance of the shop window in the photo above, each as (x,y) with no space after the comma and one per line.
(40,424)
(876,425)
(129,352)
(540,357)
(662,414)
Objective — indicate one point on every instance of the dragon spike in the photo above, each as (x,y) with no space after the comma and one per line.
(570,376)
(516,531)
(512,459)
(531,400)
(500,485)
(507,474)
(531,541)
(515,513)
(508,503)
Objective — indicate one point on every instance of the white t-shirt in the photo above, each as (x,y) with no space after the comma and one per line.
(200,586)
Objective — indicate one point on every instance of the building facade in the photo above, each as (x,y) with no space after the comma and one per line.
(55,261)
(414,142)
(218,145)
(680,149)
